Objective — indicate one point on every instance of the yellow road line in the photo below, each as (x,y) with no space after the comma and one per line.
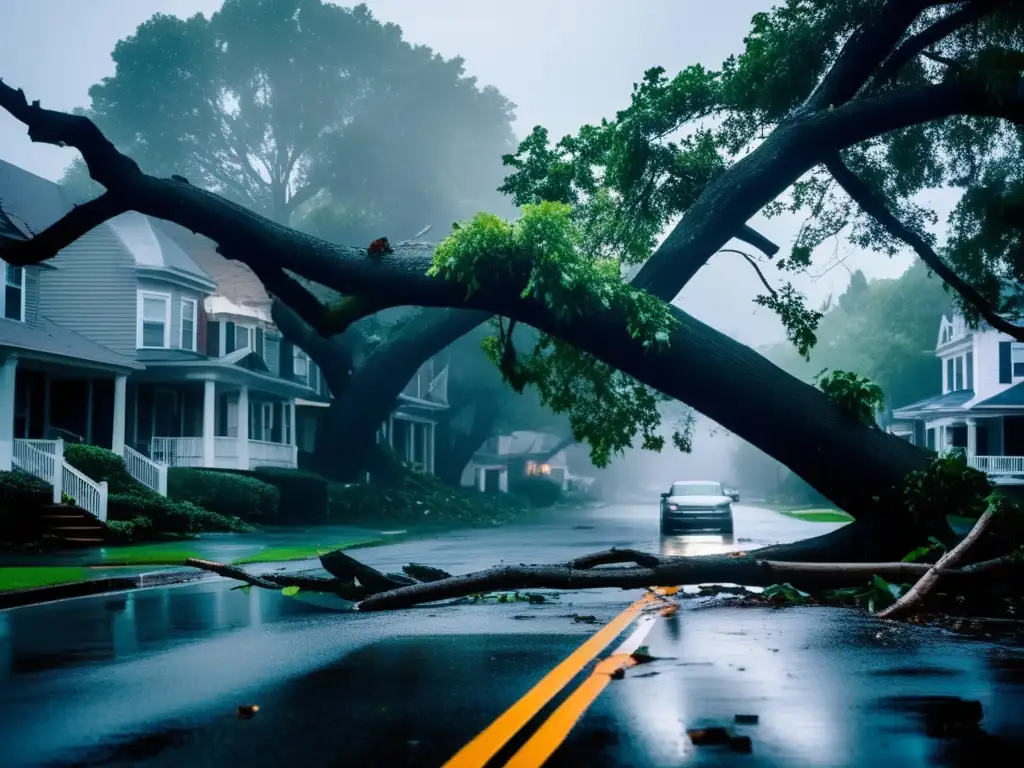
(489,742)
(555,730)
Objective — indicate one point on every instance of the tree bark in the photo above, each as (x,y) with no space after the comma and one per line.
(456,450)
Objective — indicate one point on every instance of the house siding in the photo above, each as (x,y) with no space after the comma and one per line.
(31,295)
(92,290)
(177,293)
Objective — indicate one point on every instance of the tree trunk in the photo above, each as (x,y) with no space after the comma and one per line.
(457,449)
(346,445)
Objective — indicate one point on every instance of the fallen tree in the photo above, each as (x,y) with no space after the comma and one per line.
(575,296)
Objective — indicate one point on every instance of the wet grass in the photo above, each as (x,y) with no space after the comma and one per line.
(301,552)
(814,514)
(32,577)
(143,554)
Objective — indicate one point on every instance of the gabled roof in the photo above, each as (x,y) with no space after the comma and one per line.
(47,338)
(1008,398)
(152,248)
(946,402)
(31,202)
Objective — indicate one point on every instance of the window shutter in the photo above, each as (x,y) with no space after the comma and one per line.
(287,370)
(970,370)
(1005,362)
(229,338)
(259,342)
(950,383)
(212,331)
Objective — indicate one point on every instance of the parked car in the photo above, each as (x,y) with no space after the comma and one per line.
(732,493)
(696,506)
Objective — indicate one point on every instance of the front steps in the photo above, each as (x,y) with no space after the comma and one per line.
(72,526)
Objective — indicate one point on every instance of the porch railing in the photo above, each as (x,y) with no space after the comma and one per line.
(188,452)
(263,453)
(998,465)
(45,459)
(152,474)
(177,451)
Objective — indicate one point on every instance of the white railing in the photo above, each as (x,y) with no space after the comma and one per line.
(42,464)
(45,459)
(177,451)
(152,474)
(84,492)
(188,452)
(998,465)
(264,454)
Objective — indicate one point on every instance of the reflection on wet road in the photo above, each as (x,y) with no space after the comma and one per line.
(154,677)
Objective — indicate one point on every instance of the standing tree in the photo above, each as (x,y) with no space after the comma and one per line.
(322,118)
(818,79)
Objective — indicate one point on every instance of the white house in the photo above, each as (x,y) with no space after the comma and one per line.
(516,456)
(981,408)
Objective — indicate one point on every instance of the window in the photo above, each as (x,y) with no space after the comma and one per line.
(154,329)
(300,366)
(696,489)
(245,337)
(969,364)
(15,290)
(286,422)
(189,321)
(261,421)
(1017,355)
(949,375)
(959,374)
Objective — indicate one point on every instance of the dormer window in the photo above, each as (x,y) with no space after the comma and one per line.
(1017,356)
(249,337)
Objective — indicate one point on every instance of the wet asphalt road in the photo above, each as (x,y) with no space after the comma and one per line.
(153,678)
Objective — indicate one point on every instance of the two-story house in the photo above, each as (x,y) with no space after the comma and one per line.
(981,406)
(167,355)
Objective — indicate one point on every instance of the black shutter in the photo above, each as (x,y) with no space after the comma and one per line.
(1005,362)
(229,338)
(970,370)
(213,339)
(259,343)
(287,368)
(950,383)
(222,416)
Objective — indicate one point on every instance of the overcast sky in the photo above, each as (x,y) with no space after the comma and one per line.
(564,62)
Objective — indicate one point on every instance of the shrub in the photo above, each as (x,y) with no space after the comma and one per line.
(304,495)
(224,493)
(168,515)
(539,490)
(100,464)
(21,497)
(127,531)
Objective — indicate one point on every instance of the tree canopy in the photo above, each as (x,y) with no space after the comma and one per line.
(309,113)
(885,330)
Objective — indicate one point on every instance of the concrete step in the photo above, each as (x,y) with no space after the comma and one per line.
(82,541)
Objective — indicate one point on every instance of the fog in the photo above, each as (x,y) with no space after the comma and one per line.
(562,63)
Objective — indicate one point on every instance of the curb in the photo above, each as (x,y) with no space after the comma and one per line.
(19,598)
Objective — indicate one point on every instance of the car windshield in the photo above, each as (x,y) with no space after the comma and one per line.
(696,489)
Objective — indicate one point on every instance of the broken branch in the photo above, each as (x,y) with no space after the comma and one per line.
(916,594)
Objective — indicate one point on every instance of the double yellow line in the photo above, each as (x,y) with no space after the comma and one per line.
(478,752)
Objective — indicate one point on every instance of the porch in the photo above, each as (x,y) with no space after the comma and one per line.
(992,444)
(213,424)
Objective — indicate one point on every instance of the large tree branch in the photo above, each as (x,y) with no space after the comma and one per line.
(74,224)
(863,52)
(916,44)
(875,207)
(792,150)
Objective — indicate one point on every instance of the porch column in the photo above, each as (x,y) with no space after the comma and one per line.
(294,434)
(209,421)
(243,427)
(972,438)
(8,372)
(120,405)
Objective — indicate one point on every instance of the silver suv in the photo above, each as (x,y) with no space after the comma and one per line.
(696,505)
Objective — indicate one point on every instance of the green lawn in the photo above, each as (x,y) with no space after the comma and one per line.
(29,577)
(814,514)
(302,552)
(144,554)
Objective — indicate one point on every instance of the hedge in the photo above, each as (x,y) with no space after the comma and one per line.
(100,464)
(227,494)
(21,496)
(304,495)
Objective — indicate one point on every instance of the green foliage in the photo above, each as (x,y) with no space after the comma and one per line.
(127,531)
(540,491)
(785,594)
(290,591)
(884,330)
(224,493)
(101,464)
(302,108)
(858,396)
(947,486)
(166,515)
(933,549)
(20,491)
(544,252)
(304,496)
